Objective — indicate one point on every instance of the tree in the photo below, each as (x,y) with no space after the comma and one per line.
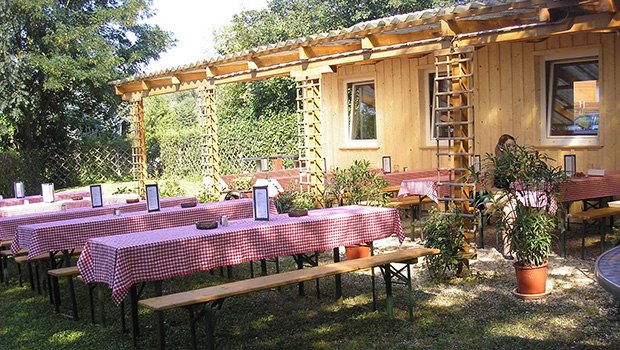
(57,59)
(286,19)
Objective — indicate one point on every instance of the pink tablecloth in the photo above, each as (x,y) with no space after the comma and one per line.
(59,205)
(426,186)
(69,234)
(8,225)
(123,260)
(6,202)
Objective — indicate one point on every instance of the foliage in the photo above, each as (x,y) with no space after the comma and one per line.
(171,188)
(241,183)
(124,190)
(57,59)
(294,200)
(528,186)
(446,232)
(356,185)
(206,195)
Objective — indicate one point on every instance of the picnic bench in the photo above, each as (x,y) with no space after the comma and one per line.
(600,215)
(216,295)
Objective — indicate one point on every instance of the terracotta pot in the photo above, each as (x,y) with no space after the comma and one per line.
(531,279)
(357,251)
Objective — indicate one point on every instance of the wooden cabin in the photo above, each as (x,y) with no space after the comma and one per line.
(547,72)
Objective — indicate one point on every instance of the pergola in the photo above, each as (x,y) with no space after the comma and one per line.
(452,34)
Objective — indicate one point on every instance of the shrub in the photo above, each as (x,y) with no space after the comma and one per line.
(446,232)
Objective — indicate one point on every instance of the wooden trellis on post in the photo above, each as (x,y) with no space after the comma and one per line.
(209,150)
(454,125)
(311,161)
(138,146)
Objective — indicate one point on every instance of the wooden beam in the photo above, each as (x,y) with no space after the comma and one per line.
(585,23)
(252,65)
(174,80)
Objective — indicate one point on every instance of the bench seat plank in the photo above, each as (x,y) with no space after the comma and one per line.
(213,293)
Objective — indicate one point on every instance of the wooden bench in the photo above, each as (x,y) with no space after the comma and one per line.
(68,272)
(215,295)
(409,202)
(4,263)
(600,215)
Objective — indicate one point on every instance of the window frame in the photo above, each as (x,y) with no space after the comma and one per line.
(350,142)
(429,116)
(546,67)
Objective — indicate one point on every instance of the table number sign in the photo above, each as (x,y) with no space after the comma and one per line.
(96,196)
(387,164)
(152,198)
(570,164)
(18,189)
(260,202)
(47,191)
(475,161)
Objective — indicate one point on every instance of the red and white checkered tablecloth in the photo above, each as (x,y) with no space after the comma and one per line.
(426,186)
(60,205)
(123,260)
(7,202)
(69,234)
(8,225)
(580,188)
(397,178)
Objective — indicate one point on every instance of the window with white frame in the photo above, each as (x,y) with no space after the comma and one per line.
(361,111)
(572,99)
(431,117)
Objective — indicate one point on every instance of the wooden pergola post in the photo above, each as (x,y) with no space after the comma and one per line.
(311,161)
(209,150)
(138,145)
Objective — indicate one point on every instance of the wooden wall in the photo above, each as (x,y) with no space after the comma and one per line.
(507,100)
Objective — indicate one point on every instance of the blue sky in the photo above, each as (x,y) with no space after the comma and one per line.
(192,23)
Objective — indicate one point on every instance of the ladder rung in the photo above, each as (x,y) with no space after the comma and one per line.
(450,77)
(454,138)
(455,154)
(454,123)
(457,184)
(453,108)
(454,92)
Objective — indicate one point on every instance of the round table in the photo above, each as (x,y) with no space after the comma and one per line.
(607,271)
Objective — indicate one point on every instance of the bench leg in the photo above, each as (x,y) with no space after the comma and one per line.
(300,265)
(20,275)
(389,302)
(56,291)
(133,305)
(74,308)
(161,331)
(210,318)
(251,269)
(91,301)
(409,292)
(30,276)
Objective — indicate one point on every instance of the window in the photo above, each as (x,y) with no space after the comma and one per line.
(431,130)
(362,115)
(573,96)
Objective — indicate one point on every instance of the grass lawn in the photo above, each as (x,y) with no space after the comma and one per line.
(476,312)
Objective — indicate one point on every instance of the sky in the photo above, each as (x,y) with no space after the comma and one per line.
(192,23)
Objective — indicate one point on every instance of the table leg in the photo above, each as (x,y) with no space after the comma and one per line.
(389,302)
(337,278)
(135,327)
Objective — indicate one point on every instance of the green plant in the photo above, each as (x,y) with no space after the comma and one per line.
(528,186)
(294,200)
(241,183)
(446,232)
(357,185)
(206,195)
(171,188)
(123,190)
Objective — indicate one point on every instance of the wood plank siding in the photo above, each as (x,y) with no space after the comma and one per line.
(508,79)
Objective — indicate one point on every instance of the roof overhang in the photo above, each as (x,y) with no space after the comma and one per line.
(403,36)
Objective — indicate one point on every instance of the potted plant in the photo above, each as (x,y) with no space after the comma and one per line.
(525,201)
(242,184)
